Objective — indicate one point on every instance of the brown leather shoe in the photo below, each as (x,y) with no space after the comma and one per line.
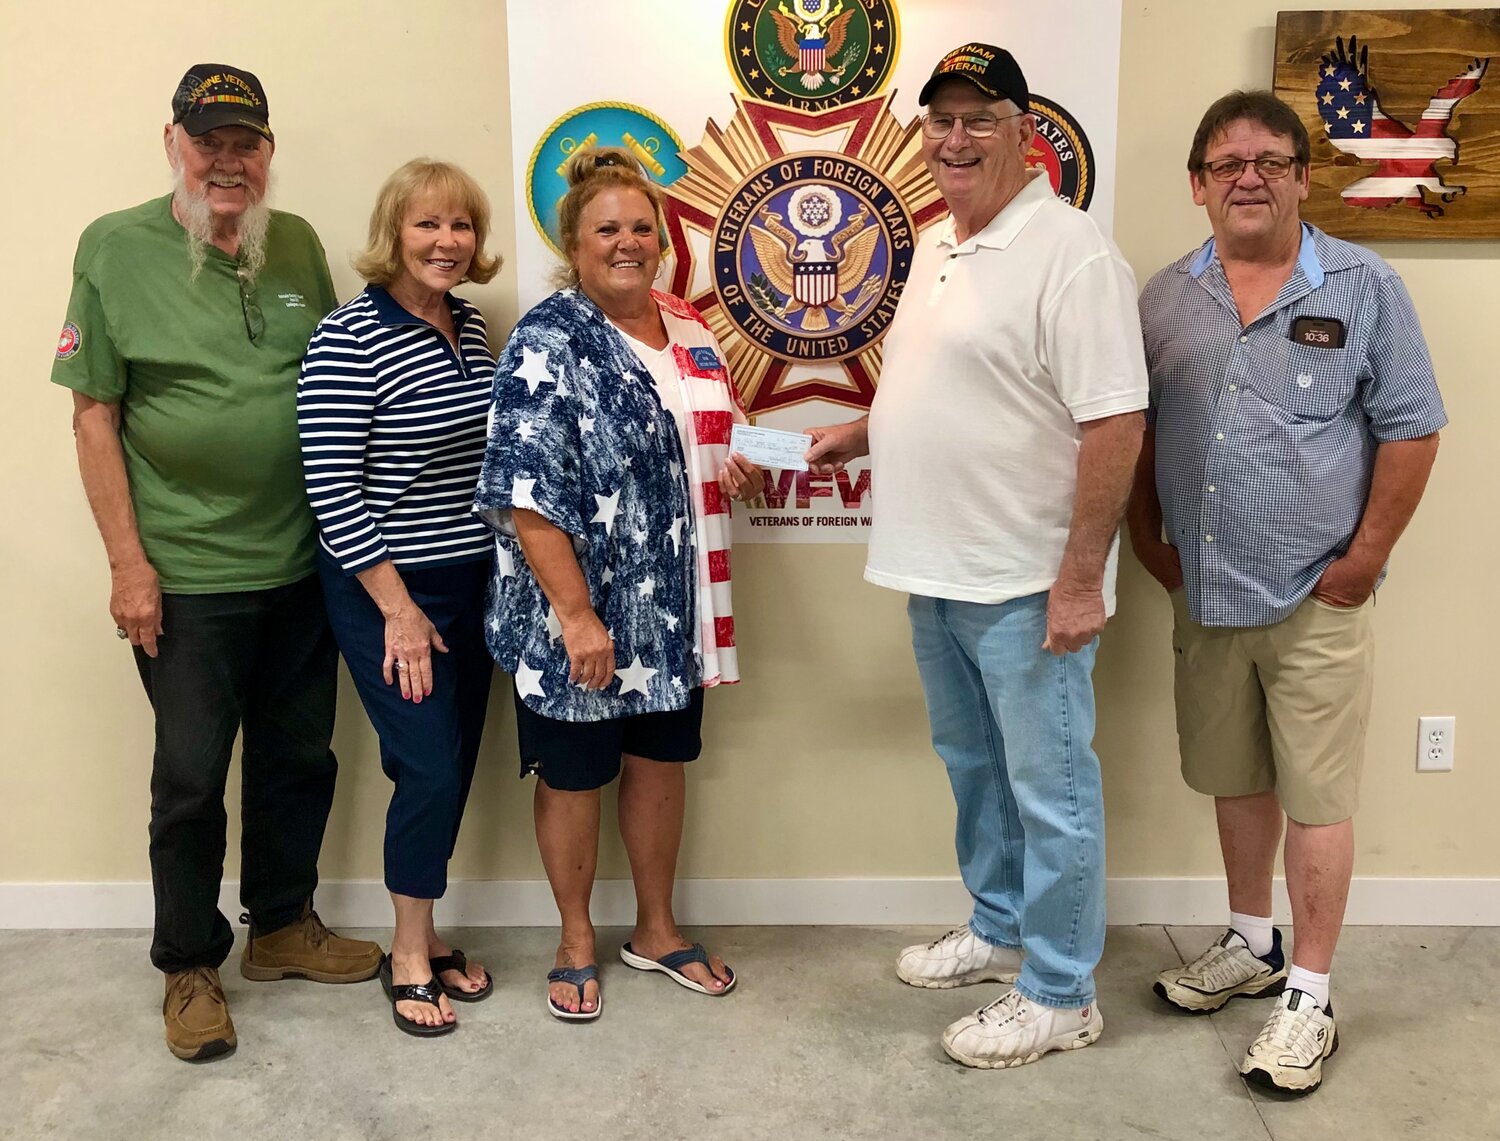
(306,949)
(197,1017)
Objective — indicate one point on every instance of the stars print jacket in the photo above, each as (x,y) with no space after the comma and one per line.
(579,436)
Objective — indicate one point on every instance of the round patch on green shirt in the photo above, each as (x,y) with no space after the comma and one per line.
(69,341)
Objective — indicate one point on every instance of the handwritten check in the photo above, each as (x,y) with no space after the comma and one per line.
(769,447)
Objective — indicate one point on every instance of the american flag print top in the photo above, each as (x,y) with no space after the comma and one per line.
(578,435)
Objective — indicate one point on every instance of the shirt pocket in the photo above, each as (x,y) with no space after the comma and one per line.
(1310,383)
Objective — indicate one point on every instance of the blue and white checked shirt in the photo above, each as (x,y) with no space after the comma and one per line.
(1264,446)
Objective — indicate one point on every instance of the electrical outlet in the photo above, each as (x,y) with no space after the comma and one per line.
(1435,736)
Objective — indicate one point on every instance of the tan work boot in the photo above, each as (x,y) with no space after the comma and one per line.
(306,949)
(197,1017)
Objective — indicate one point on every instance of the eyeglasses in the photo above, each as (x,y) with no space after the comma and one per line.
(255,320)
(980,125)
(1269,167)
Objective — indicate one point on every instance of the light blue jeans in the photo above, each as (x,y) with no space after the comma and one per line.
(1015,726)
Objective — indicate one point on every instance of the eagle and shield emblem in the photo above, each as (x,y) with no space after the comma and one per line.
(811,54)
(809,266)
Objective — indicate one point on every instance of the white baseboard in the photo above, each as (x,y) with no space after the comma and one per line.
(1175,901)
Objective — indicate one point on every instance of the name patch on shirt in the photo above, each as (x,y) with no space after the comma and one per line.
(705,358)
(1319,332)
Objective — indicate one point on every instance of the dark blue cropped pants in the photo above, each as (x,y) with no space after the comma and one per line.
(428,749)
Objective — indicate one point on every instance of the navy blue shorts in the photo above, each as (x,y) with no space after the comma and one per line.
(578,756)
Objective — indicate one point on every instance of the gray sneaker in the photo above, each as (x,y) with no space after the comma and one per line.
(1228,969)
(1288,1055)
(958,958)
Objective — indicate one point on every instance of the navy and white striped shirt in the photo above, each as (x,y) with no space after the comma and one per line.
(1265,446)
(393,428)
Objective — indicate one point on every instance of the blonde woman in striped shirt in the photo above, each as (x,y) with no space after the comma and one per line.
(392,406)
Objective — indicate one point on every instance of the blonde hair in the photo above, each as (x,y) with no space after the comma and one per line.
(590,171)
(380,261)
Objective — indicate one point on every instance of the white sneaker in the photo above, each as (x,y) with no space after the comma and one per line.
(1013,1030)
(1289,1053)
(959,958)
(1228,969)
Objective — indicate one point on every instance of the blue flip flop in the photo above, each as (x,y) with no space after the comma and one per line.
(671,965)
(577,976)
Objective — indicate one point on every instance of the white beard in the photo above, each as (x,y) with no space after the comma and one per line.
(196,214)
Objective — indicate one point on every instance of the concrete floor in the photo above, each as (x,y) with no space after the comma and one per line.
(818,1041)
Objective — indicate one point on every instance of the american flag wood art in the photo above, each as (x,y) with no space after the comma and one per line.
(1403,109)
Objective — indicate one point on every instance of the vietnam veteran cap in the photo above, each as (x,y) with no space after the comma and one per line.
(993,70)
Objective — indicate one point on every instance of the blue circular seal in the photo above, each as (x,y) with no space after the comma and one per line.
(811,252)
(645,135)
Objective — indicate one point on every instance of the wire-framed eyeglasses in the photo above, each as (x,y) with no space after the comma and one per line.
(1269,167)
(980,125)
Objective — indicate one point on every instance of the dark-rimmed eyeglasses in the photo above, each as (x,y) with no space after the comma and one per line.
(1269,167)
(255,320)
(980,125)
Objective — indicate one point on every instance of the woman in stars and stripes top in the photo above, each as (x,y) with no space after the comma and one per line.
(392,406)
(607,478)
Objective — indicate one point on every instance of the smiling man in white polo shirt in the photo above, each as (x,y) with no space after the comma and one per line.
(1003,435)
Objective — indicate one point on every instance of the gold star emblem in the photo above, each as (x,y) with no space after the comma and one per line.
(1343,85)
(879,49)
(1359,128)
(854,90)
(770,91)
(1327,97)
(869,73)
(755,73)
(745,26)
(879,24)
(744,51)
(1343,112)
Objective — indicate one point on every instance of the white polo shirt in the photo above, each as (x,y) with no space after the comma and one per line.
(999,349)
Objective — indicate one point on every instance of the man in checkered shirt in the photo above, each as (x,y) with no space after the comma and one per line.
(1294,420)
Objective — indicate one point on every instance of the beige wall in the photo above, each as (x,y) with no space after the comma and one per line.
(818,765)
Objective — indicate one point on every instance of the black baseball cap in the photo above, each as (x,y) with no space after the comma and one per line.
(216,95)
(993,70)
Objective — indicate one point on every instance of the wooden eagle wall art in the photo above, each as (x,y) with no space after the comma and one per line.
(1405,129)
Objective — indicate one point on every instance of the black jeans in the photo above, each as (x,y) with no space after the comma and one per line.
(263,661)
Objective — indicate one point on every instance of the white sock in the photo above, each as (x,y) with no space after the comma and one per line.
(1255,930)
(1310,984)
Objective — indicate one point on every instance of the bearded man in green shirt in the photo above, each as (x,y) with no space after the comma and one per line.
(188,320)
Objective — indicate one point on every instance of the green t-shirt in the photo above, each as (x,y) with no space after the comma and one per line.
(209,416)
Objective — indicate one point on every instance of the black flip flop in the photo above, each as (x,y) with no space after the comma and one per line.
(455,961)
(428,992)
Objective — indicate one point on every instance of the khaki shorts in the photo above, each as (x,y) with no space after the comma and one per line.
(1279,707)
